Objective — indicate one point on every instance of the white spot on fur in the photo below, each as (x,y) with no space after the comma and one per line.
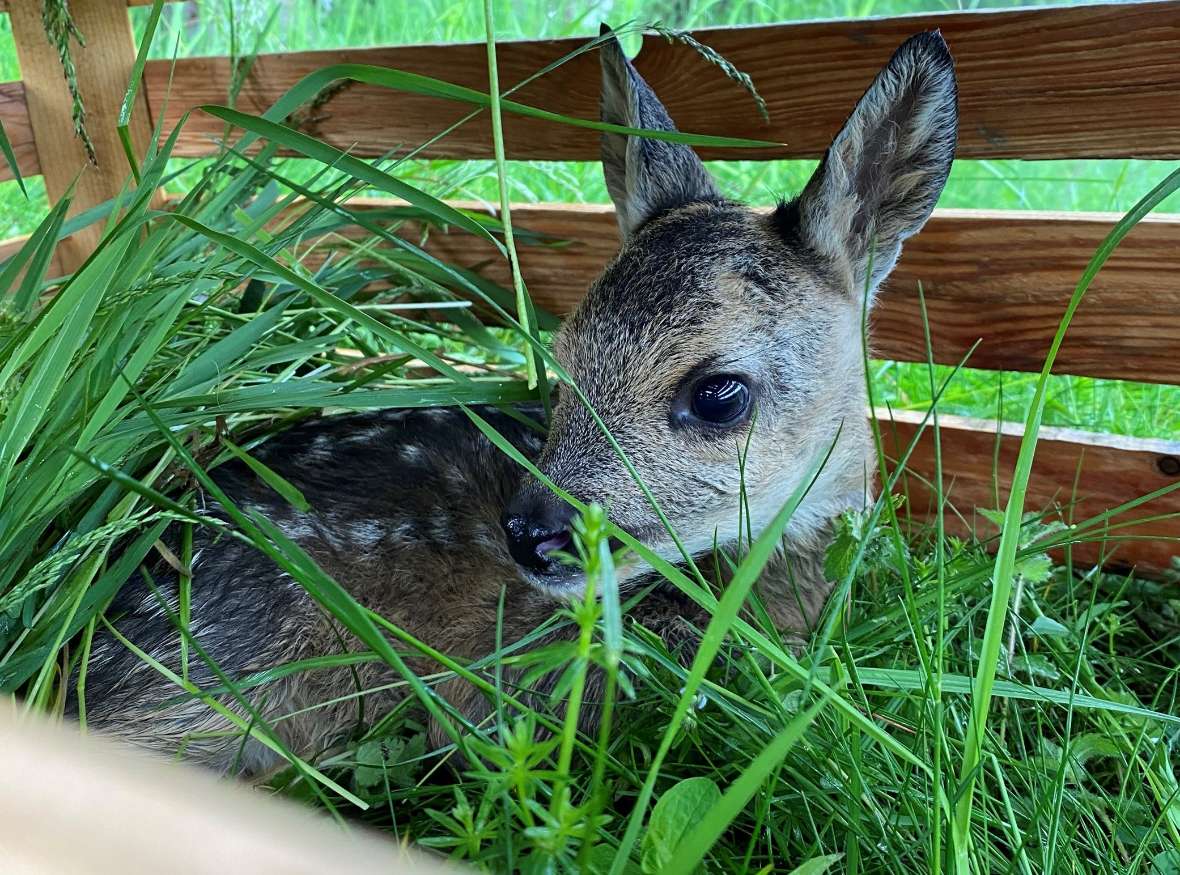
(297,527)
(441,531)
(366,533)
(319,450)
(406,530)
(368,436)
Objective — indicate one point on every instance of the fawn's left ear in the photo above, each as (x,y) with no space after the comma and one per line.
(644,177)
(883,173)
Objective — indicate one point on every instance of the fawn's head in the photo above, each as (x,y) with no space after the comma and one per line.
(722,334)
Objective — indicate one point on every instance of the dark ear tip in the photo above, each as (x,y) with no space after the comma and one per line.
(609,49)
(928,47)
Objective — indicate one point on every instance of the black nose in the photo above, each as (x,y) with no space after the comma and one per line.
(537,526)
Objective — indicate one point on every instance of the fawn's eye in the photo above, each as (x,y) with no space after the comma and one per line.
(722,399)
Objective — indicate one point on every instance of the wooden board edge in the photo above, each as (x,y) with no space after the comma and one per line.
(1076,476)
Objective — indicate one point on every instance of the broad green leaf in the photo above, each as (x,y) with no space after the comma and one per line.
(1047,627)
(817,865)
(711,824)
(1166,862)
(603,857)
(678,812)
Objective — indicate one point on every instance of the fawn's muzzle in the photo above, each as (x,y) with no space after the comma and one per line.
(536,526)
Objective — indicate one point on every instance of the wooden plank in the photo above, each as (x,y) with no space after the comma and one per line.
(1089,81)
(103,69)
(14,115)
(1002,278)
(1005,278)
(1110,471)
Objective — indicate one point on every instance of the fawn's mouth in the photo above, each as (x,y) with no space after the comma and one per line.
(559,576)
(561,579)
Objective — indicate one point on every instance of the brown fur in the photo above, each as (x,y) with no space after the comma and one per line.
(407,505)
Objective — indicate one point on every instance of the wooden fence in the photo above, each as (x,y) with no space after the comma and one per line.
(1079,82)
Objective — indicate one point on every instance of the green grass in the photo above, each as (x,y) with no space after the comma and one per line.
(755,758)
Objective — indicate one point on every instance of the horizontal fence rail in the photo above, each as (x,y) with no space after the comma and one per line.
(1000,278)
(1093,82)
(1077,476)
(1080,82)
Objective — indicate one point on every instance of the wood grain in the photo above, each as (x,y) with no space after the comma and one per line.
(1110,471)
(103,69)
(1089,81)
(14,115)
(1002,278)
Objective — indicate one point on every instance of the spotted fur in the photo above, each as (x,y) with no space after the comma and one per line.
(406,506)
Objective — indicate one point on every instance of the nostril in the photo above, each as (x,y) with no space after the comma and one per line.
(537,525)
(531,541)
(516,527)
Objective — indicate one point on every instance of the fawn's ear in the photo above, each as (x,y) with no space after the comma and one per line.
(644,177)
(882,175)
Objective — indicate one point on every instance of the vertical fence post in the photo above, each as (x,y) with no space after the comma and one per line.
(103,68)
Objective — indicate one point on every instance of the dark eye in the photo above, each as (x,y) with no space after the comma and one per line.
(722,399)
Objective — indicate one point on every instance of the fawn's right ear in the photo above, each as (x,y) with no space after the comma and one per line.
(645,177)
(883,173)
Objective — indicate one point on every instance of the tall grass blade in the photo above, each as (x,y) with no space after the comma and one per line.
(1005,565)
(523,307)
(313,83)
(10,160)
(329,155)
(123,126)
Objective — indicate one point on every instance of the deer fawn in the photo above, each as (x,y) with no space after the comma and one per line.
(716,329)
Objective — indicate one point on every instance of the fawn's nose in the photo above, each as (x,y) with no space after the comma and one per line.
(536,527)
